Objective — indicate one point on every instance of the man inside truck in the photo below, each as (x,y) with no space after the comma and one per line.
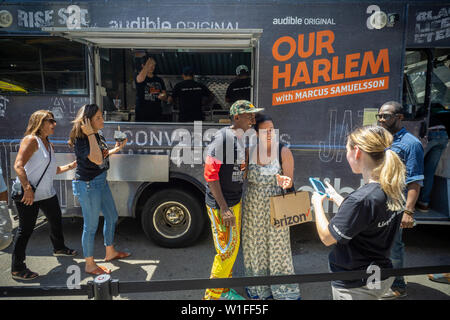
(239,89)
(189,95)
(410,150)
(224,176)
(150,91)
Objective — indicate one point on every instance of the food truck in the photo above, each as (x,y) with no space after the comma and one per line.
(318,68)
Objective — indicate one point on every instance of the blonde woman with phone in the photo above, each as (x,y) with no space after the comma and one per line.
(363,229)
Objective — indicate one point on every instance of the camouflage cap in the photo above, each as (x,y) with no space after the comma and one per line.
(243,106)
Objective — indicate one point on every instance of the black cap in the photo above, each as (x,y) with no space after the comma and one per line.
(188,71)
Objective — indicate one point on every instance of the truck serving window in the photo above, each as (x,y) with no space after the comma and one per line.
(215,70)
(42,65)
(214,55)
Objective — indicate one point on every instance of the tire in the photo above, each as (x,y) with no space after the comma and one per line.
(173,218)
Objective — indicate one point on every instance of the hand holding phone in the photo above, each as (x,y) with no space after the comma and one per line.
(333,195)
(319,187)
(86,127)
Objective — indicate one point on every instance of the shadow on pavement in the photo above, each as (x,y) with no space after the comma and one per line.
(420,292)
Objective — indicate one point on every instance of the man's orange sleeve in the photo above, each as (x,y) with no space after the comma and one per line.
(212,168)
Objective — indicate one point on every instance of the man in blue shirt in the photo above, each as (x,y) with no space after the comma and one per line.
(410,150)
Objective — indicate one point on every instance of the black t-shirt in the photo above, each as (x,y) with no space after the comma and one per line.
(189,94)
(239,89)
(230,151)
(148,106)
(364,229)
(87,170)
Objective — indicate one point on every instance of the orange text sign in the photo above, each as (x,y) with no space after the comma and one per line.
(330,91)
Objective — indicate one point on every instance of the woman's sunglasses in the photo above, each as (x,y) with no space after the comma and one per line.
(52,121)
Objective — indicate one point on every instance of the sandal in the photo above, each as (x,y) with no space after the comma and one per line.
(99,271)
(119,255)
(440,277)
(26,274)
(66,252)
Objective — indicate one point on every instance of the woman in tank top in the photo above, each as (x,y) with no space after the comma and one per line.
(36,159)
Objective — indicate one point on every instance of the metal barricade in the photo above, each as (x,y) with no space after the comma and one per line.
(105,288)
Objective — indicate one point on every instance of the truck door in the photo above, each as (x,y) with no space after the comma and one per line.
(426,97)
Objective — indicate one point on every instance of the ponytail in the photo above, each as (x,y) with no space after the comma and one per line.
(392,180)
(390,171)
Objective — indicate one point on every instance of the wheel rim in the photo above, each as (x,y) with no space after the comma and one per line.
(171,219)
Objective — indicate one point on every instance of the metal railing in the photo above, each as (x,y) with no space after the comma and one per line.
(105,288)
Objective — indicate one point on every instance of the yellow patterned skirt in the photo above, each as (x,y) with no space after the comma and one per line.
(226,242)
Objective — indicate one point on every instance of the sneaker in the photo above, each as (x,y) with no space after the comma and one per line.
(66,252)
(231,295)
(394,293)
(422,207)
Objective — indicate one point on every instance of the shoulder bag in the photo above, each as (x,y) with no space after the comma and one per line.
(17,189)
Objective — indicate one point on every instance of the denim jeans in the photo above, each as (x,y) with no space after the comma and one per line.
(95,196)
(437,141)
(397,255)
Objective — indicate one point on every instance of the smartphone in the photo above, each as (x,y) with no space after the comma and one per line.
(318,186)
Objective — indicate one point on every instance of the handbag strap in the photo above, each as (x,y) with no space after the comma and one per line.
(50,160)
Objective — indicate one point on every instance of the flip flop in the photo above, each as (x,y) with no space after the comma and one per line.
(100,270)
(440,277)
(119,255)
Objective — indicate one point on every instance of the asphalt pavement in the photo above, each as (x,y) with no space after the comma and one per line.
(425,246)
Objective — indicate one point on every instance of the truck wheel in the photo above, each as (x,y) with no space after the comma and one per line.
(173,218)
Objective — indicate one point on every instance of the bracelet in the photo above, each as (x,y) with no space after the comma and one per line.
(409,213)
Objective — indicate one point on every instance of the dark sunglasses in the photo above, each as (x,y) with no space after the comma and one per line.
(52,121)
(386,116)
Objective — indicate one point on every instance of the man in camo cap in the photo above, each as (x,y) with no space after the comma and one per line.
(224,179)
(243,106)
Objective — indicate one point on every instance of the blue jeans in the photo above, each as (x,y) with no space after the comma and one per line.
(95,196)
(437,141)
(397,255)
